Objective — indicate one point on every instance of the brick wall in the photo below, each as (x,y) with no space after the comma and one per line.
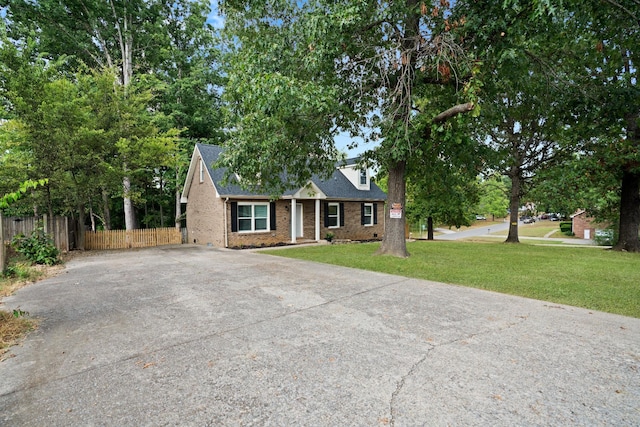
(582,222)
(353,229)
(205,220)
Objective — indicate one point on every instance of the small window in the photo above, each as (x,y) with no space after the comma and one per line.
(253,217)
(363,177)
(367,214)
(201,170)
(333,215)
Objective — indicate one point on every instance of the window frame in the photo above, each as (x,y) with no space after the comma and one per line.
(371,223)
(363,175)
(201,170)
(253,218)
(336,215)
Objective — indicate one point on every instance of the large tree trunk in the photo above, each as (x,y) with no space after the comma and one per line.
(178,204)
(80,230)
(514,205)
(430,228)
(630,196)
(394,242)
(629,213)
(129,219)
(106,211)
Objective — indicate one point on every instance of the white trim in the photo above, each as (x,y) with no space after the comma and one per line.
(253,217)
(317,219)
(371,224)
(300,221)
(337,216)
(309,191)
(292,209)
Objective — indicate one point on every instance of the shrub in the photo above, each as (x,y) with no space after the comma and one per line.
(566,226)
(38,247)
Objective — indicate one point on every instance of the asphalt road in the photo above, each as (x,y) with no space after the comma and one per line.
(196,336)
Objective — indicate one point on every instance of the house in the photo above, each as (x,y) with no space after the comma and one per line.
(584,226)
(348,205)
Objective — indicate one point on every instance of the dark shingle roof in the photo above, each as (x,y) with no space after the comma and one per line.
(336,187)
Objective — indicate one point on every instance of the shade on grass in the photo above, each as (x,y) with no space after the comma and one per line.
(586,277)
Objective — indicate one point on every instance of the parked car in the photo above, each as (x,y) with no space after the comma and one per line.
(554,217)
(528,219)
(480,218)
(544,216)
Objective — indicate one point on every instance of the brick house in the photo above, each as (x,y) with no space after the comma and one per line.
(584,226)
(348,204)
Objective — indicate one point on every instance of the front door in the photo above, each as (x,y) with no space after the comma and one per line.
(299,220)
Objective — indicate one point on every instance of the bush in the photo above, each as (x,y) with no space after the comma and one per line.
(566,226)
(38,247)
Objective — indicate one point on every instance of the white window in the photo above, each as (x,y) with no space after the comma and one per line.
(201,170)
(367,214)
(333,215)
(363,177)
(253,217)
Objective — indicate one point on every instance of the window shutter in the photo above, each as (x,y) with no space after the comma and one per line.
(326,214)
(341,214)
(272,215)
(361,213)
(234,216)
(375,213)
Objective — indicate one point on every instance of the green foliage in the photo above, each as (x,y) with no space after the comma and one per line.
(566,226)
(10,198)
(19,313)
(38,247)
(18,270)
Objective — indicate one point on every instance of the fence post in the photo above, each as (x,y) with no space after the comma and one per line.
(2,250)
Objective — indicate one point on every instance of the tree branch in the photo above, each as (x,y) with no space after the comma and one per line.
(453,111)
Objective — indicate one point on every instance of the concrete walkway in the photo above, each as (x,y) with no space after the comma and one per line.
(197,336)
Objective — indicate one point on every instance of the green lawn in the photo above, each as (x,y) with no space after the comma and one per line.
(587,277)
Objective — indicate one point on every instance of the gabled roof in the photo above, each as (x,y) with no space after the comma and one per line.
(337,187)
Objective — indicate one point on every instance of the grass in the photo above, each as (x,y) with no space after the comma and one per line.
(587,277)
(15,324)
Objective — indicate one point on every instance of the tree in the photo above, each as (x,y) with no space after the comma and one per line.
(192,84)
(493,196)
(605,59)
(522,110)
(145,43)
(300,73)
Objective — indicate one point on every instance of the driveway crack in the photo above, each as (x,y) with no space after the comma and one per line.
(393,410)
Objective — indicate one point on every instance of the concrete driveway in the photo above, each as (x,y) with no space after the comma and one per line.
(196,336)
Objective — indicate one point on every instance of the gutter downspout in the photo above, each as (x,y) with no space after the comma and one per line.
(226,236)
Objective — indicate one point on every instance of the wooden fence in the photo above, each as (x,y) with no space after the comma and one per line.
(121,239)
(58,228)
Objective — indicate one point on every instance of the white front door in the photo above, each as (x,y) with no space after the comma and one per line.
(299,221)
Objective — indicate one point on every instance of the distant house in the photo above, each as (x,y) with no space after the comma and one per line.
(584,226)
(348,205)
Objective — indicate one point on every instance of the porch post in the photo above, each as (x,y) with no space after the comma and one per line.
(317,220)
(293,221)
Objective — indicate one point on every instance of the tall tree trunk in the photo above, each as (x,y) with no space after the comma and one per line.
(394,242)
(178,204)
(630,196)
(80,230)
(106,210)
(129,220)
(430,228)
(514,205)
(629,213)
